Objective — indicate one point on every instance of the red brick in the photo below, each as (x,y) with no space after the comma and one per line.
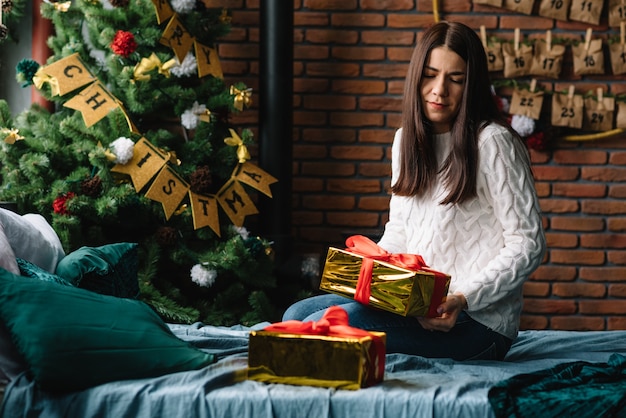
(579,190)
(362,87)
(561,240)
(548,173)
(357,119)
(535,289)
(358,53)
(558,205)
(533,322)
(329,102)
(332,69)
(617,158)
(577,224)
(579,157)
(300,184)
(385,70)
(357,153)
(617,290)
(577,257)
(617,191)
(577,323)
(603,207)
(603,241)
(387,4)
(323,36)
(323,202)
(330,4)
(378,170)
(380,103)
(363,20)
(381,136)
(395,38)
(373,203)
(351,219)
(603,274)
(576,290)
(353,186)
(616,257)
(604,307)
(310,52)
(549,306)
(327,169)
(307,152)
(603,174)
(329,135)
(616,323)
(555,273)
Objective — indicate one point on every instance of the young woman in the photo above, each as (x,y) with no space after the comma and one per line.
(463,197)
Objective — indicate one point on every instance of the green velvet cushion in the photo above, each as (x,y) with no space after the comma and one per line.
(110,269)
(28,269)
(74,339)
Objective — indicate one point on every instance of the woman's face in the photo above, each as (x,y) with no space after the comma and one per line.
(441,91)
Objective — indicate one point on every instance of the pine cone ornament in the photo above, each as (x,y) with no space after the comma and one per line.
(201,180)
(92,187)
(166,236)
(7,6)
(119,3)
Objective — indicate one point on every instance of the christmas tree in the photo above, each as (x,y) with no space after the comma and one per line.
(140,148)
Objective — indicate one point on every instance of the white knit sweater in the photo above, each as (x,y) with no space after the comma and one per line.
(489,244)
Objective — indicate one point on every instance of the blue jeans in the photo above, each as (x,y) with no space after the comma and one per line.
(467,340)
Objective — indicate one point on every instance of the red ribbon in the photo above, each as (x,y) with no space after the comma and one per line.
(334,323)
(370,251)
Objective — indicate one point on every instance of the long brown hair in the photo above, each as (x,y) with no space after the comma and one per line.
(418,163)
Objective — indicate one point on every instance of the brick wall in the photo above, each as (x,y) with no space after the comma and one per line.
(350,60)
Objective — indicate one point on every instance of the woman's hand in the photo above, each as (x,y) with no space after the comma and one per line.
(448,313)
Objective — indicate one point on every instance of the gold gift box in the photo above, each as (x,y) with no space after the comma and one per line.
(393,288)
(316,360)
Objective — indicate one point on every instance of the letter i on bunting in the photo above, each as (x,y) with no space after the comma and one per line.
(147,161)
(169,189)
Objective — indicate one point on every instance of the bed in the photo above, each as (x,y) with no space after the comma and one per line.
(413,386)
(77,343)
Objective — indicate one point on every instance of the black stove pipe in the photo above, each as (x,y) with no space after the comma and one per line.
(276,122)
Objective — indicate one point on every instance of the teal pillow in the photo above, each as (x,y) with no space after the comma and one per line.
(28,269)
(73,339)
(110,269)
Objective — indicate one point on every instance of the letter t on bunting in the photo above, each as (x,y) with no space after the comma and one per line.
(204,212)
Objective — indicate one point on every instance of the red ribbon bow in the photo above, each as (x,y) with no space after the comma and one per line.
(334,323)
(358,244)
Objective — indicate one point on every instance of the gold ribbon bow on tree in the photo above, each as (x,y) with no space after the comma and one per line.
(242,97)
(11,135)
(148,64)
(235,141)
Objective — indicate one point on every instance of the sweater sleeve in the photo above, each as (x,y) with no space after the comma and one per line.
(506,181)
(394,236)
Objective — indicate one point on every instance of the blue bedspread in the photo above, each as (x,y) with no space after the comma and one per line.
(413,387)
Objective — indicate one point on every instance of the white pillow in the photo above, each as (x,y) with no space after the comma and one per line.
(7,256)
(32,238)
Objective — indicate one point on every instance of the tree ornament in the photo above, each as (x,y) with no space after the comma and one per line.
(166,236)
(25,71)
(59,206)
(119,3)
(91,187)
(4,32)
(7,6)
(201,180)
(123,43)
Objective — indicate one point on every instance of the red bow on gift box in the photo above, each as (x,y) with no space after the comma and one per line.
(363,246)
(334,323)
